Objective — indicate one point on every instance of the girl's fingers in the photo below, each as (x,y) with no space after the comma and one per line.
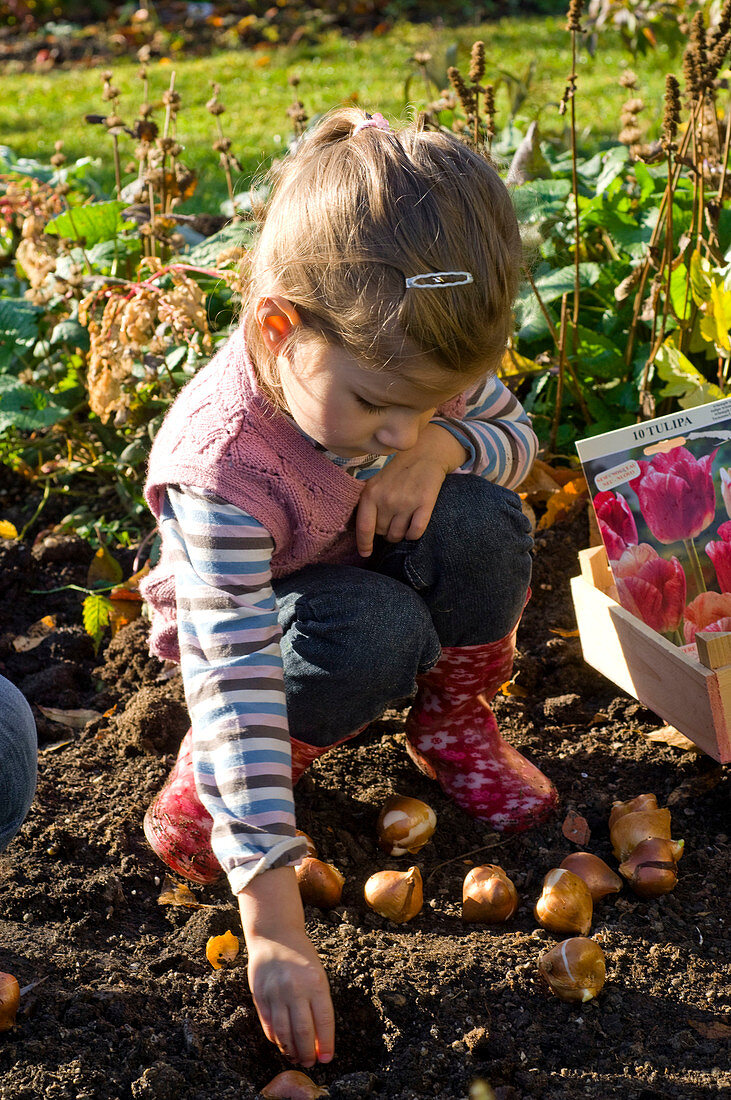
(419,523)
(282,1033)
(365,526)
(397,527)
(324,1017)
(303,1034)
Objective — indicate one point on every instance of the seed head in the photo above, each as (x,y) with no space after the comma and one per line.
(464,94)
(628,79)
(477,62)
(574,16)
(671,113)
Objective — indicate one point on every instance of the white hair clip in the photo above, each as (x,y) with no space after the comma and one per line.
(436,279)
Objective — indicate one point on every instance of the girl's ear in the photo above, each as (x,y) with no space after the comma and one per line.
(276,318)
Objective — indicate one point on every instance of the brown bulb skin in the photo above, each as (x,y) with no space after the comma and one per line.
(574,970)
(565,904)
(631,829)
(320,883)
(405,825)
(488,895)
(598,876)
(396,895)
(651,867)
(631,806)
(292,1085)
(9,1001)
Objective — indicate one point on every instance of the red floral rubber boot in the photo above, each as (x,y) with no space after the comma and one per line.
(178,826)
(452,736)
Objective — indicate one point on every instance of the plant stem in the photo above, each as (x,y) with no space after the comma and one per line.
(695,563)
(575,187)
(561,376)
(39,509)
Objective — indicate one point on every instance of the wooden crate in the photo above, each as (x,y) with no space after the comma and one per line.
(694,697)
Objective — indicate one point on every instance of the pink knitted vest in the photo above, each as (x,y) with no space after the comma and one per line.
(222,435)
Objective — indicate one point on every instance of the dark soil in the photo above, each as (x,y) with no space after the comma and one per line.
(128,1006)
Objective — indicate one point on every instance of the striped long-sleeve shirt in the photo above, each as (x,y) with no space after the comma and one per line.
(229,640)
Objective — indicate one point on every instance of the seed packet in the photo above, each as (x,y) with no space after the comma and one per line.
(661,492)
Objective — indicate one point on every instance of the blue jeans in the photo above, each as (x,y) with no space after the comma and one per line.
(355,638)
(18,760)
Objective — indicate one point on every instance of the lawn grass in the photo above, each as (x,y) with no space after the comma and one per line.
(35,110)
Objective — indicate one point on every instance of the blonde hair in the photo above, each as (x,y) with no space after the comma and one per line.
(352,215)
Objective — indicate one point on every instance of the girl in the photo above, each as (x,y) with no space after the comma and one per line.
(338,527)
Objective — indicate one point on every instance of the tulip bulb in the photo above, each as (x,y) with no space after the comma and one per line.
(631,806)
(488,895)
(396,895)
(651,867)
(565,904)
(320,883)
(9,1001)
(405,825)
(599,877)
(311,849)
(631,829)
(292,1085)
(574,970)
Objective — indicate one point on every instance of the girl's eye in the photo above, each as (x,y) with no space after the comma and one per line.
(367,405)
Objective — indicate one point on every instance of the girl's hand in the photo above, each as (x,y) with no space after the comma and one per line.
(398,501)
(287,979)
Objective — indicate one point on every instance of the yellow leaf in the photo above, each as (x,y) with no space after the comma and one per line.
(7,529)
(122,613)
(563,633)
(222,948)
(177,893)
(511,688)
(562,503)
(715,325)
(103,568)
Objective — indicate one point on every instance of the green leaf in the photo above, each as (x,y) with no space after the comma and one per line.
(72,334)
(613,164)
(645,181)
(19,321)
(678,284)
(683,380)
(96,612)
(554,284)
(95,222)
(537,199)
(207,252)
(598,356)
(26,408)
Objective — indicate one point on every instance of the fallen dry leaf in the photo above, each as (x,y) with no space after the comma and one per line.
(35,634)
(563,633)
(123,612)
(695,788)
(221,949)
(74,719)
(713,1029)
(511,688)
(576,828)
(668,735)
(8,530)
(177,893)
(564,502)
(129,589)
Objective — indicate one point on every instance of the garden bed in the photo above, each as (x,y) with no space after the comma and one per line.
(129,1006)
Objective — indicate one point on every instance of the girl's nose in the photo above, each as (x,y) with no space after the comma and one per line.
(402,429)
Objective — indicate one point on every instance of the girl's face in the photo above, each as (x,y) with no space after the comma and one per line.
(352,410)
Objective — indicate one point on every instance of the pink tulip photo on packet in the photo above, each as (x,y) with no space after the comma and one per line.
(661,492)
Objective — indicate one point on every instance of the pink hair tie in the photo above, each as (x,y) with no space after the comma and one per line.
(375,119)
